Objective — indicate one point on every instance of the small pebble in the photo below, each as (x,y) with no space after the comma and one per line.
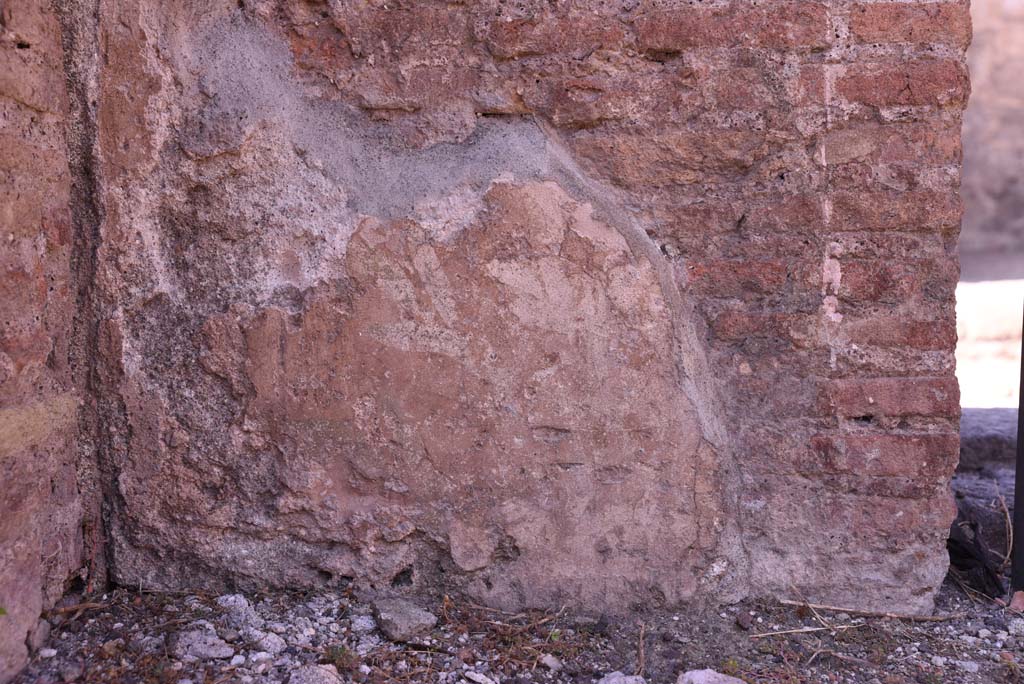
(968,666)
(47,652)
(70,672)
(551,662)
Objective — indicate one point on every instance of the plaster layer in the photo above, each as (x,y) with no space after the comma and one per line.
(43,513)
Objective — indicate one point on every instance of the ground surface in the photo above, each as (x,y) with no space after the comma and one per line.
(125,636)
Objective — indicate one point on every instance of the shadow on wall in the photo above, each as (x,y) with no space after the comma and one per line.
(991,291)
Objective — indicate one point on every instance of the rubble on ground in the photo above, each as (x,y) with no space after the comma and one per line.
(336,637)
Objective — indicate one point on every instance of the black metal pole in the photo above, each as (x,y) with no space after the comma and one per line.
(1017,579)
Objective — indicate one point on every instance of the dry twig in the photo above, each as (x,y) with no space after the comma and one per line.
(77,607)
(806,630)
(817,616)
(872,613)
(973,594)
(1009,529)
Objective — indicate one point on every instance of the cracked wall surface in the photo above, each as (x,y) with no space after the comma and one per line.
(610,303)
(47,512)
(601,302)
(352,348)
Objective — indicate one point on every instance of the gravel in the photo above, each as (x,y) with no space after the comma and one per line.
(331,636)
(401,620)
(707,676)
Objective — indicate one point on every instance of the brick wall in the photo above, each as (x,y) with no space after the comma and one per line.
(607,303)
(786,172)
(41,509)
(823,260)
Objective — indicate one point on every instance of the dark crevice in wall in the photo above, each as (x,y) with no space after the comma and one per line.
(79,21)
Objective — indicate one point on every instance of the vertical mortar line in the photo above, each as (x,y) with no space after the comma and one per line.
(79,26)
(831,272)
(836,62)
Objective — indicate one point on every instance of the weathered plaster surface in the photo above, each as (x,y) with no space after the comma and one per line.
(348,356)
(41,507)
(602,303)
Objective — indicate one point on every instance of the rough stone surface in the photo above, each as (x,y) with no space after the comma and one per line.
(429,293)
(579,303)
(202,643)
(240,612)
(401,620)
(706,677)
(620,678)
(315,674)
(41,511)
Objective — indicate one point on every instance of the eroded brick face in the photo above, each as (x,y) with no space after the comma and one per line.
(41,510)
(602,303)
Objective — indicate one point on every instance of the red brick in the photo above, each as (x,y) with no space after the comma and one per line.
(939,82)
(579,102)
(787,213)
(899,520)
(943,23)
(855,520)
(810,86)
(776,397)
(704,217)
(742,88)
(887,455)
(780,25)
(581,33)
(732,277)
(764,215)
(893,332)
(896,282)
(927,143)
(795,329)
(850,398)
(676,158)
(924,210)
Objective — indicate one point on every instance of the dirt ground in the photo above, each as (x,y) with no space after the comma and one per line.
(126,636)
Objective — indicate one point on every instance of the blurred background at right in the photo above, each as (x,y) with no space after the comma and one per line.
(991,290)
